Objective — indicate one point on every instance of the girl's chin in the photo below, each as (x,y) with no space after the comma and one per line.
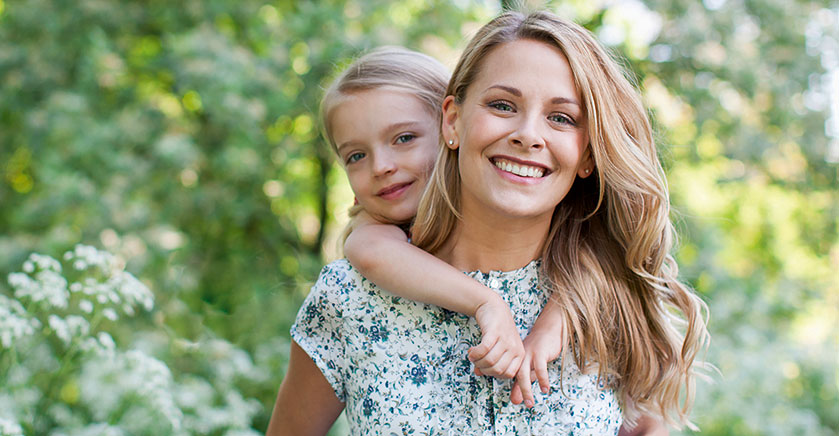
(395,217)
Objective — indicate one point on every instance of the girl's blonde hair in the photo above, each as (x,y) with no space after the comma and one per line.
(606,258)
(386,67)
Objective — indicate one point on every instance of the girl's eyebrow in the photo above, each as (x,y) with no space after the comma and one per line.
(344,145)
(517,93)
(388,130)
(402,125)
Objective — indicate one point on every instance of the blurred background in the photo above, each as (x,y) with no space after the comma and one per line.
(182,138)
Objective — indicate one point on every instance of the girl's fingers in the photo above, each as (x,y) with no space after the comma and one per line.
(516,396)
(541,368)
(512,368)
(479,351)
(523,384)
(495,364)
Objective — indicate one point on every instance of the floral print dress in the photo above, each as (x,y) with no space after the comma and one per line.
(401,367)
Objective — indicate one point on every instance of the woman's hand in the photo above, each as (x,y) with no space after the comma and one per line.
(500,352)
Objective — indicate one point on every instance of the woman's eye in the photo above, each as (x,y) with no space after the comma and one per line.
(501,105)
(355,157)
(561,119)
(407,137)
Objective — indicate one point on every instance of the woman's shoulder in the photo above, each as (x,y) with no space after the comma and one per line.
(337,273)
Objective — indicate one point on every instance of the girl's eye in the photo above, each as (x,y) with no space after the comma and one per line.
(355,157)
(561,119)
(407,137)
(501,105)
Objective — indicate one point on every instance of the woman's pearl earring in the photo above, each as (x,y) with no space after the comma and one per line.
(588,170)
(451,141)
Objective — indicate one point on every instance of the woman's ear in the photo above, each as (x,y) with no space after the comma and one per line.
(586,167)
(449,127)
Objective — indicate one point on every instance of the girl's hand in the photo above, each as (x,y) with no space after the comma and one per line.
(544,344)
(500,352)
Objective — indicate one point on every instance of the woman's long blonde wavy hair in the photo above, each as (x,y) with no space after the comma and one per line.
(606,258)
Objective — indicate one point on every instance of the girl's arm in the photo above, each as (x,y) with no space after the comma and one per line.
(382,253)
(306,404)
(543,344)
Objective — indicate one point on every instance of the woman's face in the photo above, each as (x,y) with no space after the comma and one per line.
(521,132)
(387,141)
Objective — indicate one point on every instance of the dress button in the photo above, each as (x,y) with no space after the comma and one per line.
(493,283)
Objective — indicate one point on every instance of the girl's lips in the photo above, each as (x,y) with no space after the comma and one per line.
(393,191)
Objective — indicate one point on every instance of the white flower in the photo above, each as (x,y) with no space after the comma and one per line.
(28,266)
(75,287)
(111,314)
(60,328)
(10,428)
(106,340)
(86,306)
(133,291)
(45,262)
(48,285)
(15,322)
(78,325)
(87,256)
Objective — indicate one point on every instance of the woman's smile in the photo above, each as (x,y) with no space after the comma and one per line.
(518,169)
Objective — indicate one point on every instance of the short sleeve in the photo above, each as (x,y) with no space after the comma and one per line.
(318,328)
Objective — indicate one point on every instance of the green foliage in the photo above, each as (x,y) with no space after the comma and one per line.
(183,137)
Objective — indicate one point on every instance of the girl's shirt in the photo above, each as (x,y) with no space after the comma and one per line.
(401,367)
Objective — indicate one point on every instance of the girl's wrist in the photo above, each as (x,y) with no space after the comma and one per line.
(487,300)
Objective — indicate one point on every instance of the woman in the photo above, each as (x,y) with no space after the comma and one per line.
(549,156)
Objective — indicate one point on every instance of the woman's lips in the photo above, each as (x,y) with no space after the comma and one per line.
(393,191)
(518,170)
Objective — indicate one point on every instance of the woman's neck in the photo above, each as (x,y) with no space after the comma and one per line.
(486,243)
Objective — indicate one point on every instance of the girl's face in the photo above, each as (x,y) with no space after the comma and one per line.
(387,141)
(522,132)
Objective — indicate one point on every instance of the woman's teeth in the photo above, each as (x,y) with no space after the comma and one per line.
(519,170)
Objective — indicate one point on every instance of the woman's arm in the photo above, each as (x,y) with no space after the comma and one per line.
(306,404)
(381,253)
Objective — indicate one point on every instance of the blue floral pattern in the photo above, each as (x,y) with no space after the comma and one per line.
(401,367)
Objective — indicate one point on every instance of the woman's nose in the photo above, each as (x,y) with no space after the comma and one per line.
(527,133)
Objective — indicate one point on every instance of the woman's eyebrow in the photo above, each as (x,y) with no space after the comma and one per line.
(517,93)
(565,100)
(509,89)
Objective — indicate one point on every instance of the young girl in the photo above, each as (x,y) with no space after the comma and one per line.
(382,118)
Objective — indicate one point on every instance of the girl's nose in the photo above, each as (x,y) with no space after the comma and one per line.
(383,164)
